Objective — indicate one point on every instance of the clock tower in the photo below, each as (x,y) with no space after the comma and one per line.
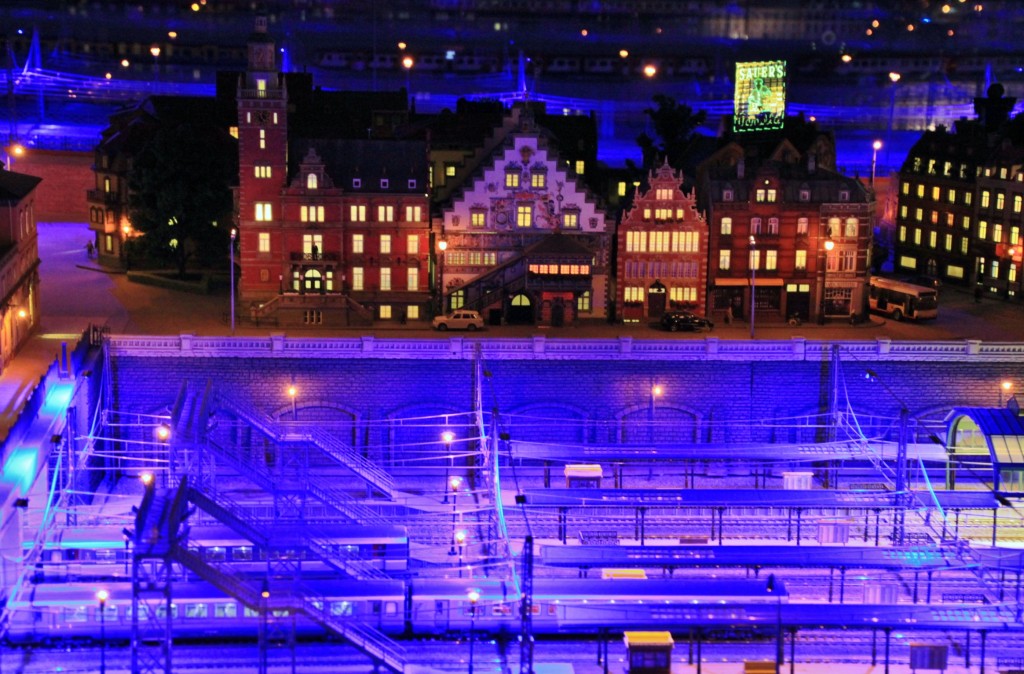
(262,164)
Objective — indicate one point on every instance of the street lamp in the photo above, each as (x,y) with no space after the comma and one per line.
(455,483)
(875,147)
(408,62)
(102,596)
(292,392)
(753,281)
(1004,387)
(460,539)
(474,597)
(894,77)
(447,438)
(829,245)
(656,391)
(442,246)
(231,271)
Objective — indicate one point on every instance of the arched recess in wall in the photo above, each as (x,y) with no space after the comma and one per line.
(340,422)
(660,424)
(548,422)
(413,435)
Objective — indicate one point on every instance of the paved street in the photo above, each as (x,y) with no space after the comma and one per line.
(75,293)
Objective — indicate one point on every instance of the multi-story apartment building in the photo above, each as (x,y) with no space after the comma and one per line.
(786,225)
(662,248)
(961,201)
(523,239)
(19,262)
(331,230)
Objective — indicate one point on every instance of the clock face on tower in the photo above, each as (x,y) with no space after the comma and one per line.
(262,116)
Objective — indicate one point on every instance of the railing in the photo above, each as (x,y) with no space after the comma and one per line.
(268,94)
(360,569)
(101,196)
(327,444)
(300,257)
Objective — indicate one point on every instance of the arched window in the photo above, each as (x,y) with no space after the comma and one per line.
(313,280)
(521,301)
(311,181)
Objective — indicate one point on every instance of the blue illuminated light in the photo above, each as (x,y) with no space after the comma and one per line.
(20,468)
(58,397)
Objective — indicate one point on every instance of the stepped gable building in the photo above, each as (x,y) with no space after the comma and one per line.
(19,262)
(961,201)
(523,239)
(333,215)
(786,224)
(662,249)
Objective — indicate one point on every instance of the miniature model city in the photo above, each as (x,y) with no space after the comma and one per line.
(854,537)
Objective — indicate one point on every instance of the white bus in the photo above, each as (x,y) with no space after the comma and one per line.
(900,299)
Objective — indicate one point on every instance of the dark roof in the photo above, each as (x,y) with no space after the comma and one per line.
(558,244)
(369,160)
(16,186)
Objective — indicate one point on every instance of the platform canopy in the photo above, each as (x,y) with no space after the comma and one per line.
(997,433)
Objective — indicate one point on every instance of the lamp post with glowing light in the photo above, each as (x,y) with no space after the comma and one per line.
(456,482)
(828,246)
(753,282)
(155,51)
(102,596)
(875,147)
(231,271)
(447,438)
(894,77)
(407,63)
(656,391)
(473,597)
(1004,387)
(442,246)
(292,393)
(460,540)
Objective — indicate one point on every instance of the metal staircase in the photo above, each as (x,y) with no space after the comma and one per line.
(492,287)
(329,445)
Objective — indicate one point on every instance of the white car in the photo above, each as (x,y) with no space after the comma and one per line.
(462,319)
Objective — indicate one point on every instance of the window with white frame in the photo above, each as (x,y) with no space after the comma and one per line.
(773,226)
(385,244)
(801,259)
(477,217)
(263,171)
(725,259)
(570,219)
(771,259)
(312,182)
(385,278)
(633,294)
(264,211)
(311,213)
(357,212)
(524,215)
(755,225)
(801,226)
(851,228)
(311,241)
(412,276)
(357,278)
(412,244)
(385,213)
(413,213)
(512,179)
(636,242)
(357,244)
(538,180)
(726,226)
(755,258)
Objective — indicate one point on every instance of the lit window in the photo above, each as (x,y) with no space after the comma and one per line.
(449,170)
(754,258)
(357,278)
(478,218)
(311,213)
(621,189)
(263,139)
(357,213)
(917,236)
(851,228)
(982,229)
(512,179)
(262,171)
(724,259)
(1017,201)
(524,215)
(385,244)
(264,242)
(386,213)
(933,239)
(759,196)
(985,198)
(949,242)
(936,192)
(997,232)
(412,244)
(920,190)
(413,312)
(726,225)
(412,275)
(583,302)
(903,232)
(413,213)
(580,166)
(772,194)
(311,181)
(385,312)
(771,259)
(570,219)
(538,180)
(1000,201)
(264,211)
(801,226)
(385,278)
(636,242)
(801,259)
(357,244)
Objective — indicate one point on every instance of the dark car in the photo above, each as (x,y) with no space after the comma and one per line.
(674,321)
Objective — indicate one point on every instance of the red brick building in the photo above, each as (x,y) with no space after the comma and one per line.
(662,247)
(332,230)
(786,224)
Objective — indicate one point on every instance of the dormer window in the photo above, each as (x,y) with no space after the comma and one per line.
(311,181)
(844,195)
(805,194)
(538,180)
(728,194)
(412,184)
(357,183)
(512,178)
(384,183)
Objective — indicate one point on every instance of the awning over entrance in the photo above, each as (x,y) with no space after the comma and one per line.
(760,283)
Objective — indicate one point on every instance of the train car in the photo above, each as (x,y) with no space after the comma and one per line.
(100,553)
(71,611)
